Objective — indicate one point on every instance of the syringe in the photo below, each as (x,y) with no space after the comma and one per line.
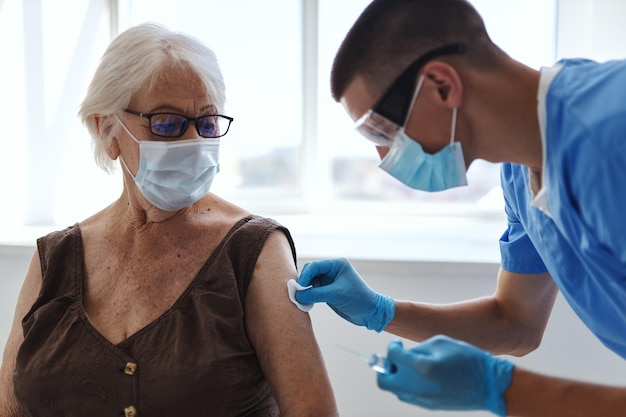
(378,363)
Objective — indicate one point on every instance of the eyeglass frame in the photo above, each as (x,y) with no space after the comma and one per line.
(149,116)
(390,112)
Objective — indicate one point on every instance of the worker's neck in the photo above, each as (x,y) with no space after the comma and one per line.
(503,107)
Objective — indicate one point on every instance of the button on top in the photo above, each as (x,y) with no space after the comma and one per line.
(130,411)
(130,368)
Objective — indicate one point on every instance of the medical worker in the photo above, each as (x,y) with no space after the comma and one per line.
(423,81)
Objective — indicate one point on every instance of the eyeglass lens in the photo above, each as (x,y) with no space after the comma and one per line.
(175,125)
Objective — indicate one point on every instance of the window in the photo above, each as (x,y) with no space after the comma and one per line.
(306,156)
(50,50)
(259,45)
(291,149)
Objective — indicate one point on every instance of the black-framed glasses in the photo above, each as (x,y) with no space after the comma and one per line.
(389,113)
(173,125)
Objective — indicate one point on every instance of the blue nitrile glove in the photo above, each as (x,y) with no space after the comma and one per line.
(446,374)
(337,283)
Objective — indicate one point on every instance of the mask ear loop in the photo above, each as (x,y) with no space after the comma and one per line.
(126,129)
(122,162)
(453,127)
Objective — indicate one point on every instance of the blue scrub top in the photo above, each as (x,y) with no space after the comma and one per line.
(582,243)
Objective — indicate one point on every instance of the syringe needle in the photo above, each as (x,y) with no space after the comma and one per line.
(377,363)
(354,352)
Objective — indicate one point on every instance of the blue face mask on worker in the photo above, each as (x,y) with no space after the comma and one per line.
(406,160)
(175,174)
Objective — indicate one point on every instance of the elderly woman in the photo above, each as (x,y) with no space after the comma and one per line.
(170,301)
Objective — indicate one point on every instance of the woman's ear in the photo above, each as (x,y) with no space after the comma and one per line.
(104,128)
(447,81)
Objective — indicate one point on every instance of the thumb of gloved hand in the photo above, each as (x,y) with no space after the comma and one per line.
(336,283)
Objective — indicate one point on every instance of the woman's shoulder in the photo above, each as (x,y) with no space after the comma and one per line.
(236,217)
(64,237)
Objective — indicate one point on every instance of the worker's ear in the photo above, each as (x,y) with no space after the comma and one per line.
(447,82)
(104,128)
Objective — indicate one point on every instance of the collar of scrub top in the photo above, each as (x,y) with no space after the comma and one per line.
(396,101)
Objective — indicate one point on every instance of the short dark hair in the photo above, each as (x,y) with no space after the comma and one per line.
(390,34)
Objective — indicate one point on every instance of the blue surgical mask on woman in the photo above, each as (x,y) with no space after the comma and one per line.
(407,162)
(175,174)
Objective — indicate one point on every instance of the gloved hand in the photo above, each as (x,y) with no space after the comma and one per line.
(337,283)
(445,374)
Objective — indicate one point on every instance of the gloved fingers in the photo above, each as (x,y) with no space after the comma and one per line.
(407,381)
(410,398)
(433,343)
(389,382)
(393,348)
(313,295)
(437,349)
(309,272)
(425,401)
(407,367)
(412,369)
(411,358)
(318,273)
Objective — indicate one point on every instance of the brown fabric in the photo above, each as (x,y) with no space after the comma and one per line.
(194,360)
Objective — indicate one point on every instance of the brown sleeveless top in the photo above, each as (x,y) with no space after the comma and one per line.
(194,360)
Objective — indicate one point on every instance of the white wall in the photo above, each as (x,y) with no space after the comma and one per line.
(568,350)
(591,29)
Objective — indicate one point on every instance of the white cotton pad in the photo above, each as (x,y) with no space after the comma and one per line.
(292,287)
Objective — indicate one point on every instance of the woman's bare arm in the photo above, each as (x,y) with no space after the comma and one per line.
(283,337)
(28,295)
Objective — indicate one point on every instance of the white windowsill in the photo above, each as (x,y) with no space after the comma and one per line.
(397,238)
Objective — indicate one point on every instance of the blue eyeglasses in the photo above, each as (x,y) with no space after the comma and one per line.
(173,125)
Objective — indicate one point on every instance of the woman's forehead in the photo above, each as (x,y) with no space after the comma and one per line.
(181,88)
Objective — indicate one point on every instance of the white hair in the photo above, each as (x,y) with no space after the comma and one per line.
(135,59)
